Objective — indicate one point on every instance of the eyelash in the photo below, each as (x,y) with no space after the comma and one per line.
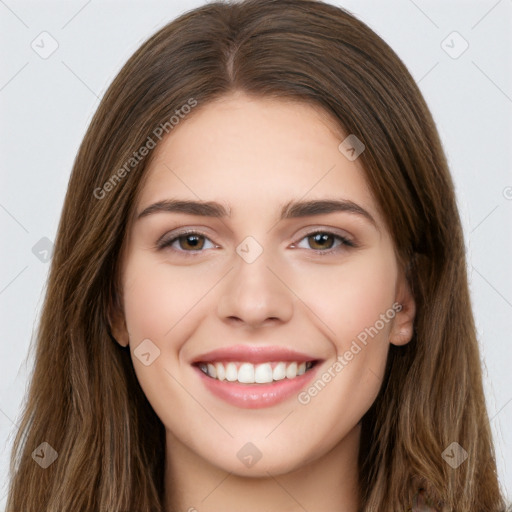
(345,242)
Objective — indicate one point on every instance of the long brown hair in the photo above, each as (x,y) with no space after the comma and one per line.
(84,399)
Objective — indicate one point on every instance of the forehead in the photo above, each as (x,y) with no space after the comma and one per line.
(255,154)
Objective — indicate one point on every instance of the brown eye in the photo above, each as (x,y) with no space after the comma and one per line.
(194,242)
(321,240)
(325,242)
(186,243)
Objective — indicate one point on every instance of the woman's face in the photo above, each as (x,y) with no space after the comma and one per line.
(288,302)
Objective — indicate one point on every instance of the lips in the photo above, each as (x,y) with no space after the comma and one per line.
(254,377)
(253,355)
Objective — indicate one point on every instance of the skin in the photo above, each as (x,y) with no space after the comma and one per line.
(253,155)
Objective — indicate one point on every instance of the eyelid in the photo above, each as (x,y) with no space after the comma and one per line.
(166,240)
(346,242)
(312,230)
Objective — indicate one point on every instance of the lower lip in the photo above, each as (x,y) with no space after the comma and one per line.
(256,396)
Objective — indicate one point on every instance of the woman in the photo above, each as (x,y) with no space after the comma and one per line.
(200,348)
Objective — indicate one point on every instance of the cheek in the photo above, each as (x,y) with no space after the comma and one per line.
(357,308)
(157,297)
(350,297)
(162,303)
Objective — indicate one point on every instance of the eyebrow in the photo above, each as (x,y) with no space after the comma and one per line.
(290,210)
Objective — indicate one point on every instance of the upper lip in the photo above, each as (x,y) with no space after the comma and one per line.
(253,355)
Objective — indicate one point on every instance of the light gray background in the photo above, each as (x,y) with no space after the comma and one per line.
(47,104)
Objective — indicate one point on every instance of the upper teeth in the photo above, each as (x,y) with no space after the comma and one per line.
(247,373)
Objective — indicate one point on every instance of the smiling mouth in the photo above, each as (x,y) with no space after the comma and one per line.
(248,373)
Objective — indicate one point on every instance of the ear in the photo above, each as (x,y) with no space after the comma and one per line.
(403,323)
(117,325)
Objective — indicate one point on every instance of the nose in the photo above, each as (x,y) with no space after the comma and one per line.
(255,294)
